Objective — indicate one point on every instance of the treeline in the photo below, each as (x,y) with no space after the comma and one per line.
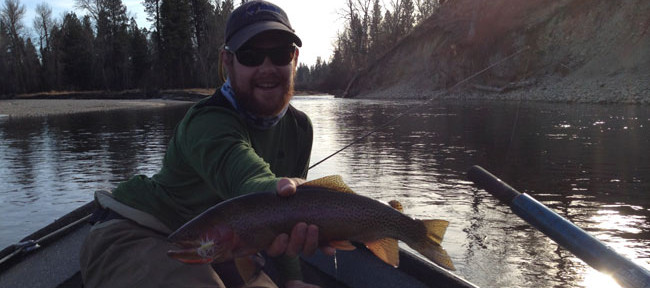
(370,30)
(106,50)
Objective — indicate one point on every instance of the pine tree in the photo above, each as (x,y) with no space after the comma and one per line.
(176,43)
(302,77)
(140,57)
(406,17)
(31,67)
(152,8)
(112,37)
(375,45)
(52,60)
(11,16)
(6,86)
(425,8)
(207,42)
(76,57)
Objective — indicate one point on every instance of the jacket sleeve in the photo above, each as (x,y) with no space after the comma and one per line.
(218,148)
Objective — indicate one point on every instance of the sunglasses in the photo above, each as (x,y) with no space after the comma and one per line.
(253,57)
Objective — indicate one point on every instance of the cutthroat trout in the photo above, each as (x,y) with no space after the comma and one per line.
(253,221)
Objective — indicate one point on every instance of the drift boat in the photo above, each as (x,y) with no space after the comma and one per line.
(50,258)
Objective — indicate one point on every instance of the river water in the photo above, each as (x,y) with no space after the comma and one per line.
(589,163)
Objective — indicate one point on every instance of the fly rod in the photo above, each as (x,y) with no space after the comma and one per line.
(413,109)
(563,232)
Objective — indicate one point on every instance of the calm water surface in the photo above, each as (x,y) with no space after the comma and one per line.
(589,163)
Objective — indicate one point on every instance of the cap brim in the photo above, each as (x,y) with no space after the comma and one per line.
(250,31)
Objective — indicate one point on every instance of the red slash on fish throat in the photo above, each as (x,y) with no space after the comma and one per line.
(247,224)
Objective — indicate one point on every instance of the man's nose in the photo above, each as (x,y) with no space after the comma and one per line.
(267,64)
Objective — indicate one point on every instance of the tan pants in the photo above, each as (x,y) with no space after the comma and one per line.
(122,253)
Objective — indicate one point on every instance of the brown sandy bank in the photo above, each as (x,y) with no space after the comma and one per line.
(43,107)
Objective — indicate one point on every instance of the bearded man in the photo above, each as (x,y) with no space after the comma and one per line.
(245,138)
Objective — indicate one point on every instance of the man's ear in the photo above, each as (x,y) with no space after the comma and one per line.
(226,58)
(295,58)
(225,64)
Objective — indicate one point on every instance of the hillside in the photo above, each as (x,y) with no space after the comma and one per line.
(565,50)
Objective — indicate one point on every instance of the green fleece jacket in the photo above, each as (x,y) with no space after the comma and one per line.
(214,155)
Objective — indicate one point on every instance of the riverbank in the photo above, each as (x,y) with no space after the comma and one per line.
(617,89)
(567,51)
(68,102)
(16,108)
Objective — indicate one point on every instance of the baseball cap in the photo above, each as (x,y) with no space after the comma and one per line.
(255,17)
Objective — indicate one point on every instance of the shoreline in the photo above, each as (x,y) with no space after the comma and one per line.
(68,102)
(19,108)
(39,107)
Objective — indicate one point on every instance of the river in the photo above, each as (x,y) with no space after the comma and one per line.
(589,163)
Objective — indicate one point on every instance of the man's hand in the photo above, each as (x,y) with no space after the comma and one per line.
(304,238)
(288,186)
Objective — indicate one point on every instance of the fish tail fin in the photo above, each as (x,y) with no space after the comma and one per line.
(386,249)
(435,229)
(431,248)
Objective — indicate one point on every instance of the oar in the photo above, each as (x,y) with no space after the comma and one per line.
(563,232)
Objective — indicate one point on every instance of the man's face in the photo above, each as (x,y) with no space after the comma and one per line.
(266,89)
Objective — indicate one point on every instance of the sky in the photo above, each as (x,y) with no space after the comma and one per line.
(316,22)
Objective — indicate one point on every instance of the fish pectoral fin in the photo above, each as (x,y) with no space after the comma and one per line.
(248,267)
(342,245)
(386,249)
(189,256)
(334,182)
(435,229)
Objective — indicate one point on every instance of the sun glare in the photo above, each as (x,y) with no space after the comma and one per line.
(595,279)
(611,220)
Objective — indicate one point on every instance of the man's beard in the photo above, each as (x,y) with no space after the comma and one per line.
(247,101)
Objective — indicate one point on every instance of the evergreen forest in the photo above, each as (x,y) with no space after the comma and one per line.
(105,50)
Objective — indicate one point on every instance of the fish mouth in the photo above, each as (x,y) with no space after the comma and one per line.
(198,252)
(202,245)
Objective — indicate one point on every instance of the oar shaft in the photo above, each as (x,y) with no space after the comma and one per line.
(563,232)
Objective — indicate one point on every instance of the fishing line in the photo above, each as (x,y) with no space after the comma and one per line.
(413,109)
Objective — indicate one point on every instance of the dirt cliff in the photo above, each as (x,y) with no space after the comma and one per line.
(564,50)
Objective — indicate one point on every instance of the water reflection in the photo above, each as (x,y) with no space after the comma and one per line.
(51,165)
(580,160)
(587,162)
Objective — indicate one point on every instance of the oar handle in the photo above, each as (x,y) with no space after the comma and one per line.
(492,184)
(563,232)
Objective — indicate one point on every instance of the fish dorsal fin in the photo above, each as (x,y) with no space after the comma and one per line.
(386,249)
(333,182)
(396,205)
